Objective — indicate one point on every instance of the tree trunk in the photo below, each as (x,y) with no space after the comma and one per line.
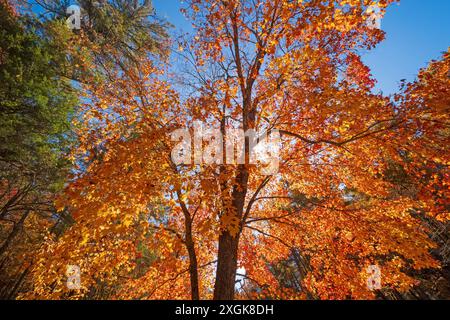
(190,245)
(193,264)
(227,255)
(18,284)
(226,267)
(17,227)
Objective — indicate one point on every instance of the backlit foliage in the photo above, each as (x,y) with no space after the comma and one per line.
(151,228)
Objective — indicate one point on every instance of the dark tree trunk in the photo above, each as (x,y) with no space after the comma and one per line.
(190,245)
(227,255)
(226,267)
(17,227)
(193,264)
(18,284)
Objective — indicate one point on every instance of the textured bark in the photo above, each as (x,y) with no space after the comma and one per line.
(18,284)
(227,255)
(17,227)
(226,267)
(193,264)
(190,245)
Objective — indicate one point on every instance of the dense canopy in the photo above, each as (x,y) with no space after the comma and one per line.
(359,184)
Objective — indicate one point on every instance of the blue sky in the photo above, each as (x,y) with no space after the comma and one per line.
(417,31)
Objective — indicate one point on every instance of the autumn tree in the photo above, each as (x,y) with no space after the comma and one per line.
(35,108)
(42,63)
(112,34)
(287,66)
